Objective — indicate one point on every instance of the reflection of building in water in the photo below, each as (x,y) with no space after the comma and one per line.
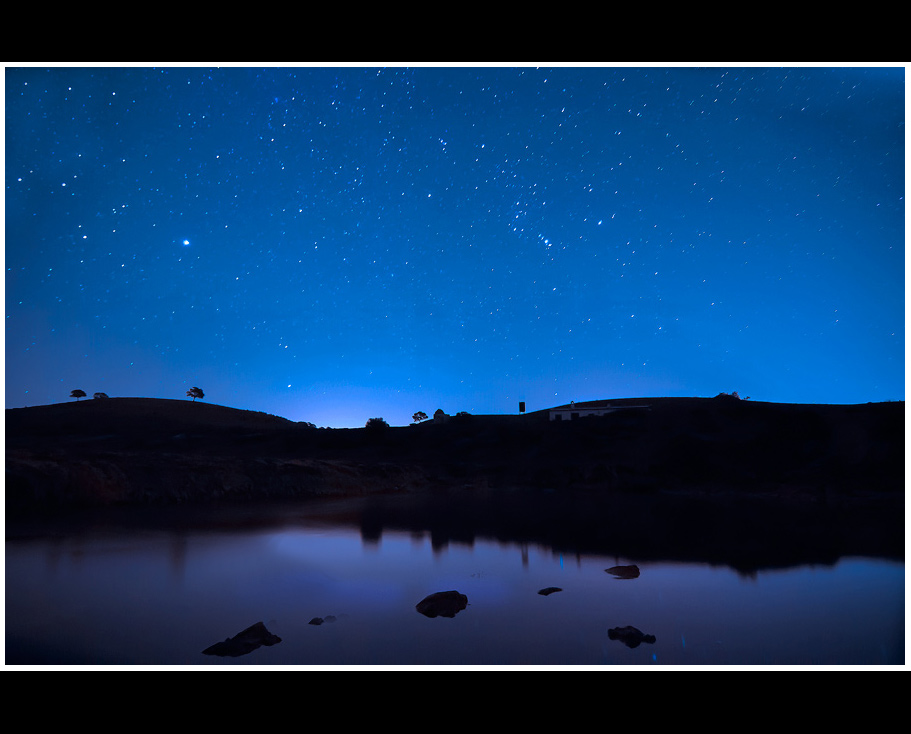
(440,540)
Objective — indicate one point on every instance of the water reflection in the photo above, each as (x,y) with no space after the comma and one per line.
(158,589)
(744,534)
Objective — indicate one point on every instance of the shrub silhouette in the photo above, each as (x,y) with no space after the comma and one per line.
(77,394)
(376,424)
(98,395)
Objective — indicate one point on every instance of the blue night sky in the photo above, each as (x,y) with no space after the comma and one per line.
(331,244)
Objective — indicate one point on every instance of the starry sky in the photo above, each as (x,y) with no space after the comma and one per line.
(332,244)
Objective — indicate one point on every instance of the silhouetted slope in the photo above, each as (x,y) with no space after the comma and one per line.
(147,450)
(94,417)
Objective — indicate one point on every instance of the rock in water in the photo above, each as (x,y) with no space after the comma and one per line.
(549,590)
(442,604)
(244,642)
(324,620)
(624,572)
(630,636)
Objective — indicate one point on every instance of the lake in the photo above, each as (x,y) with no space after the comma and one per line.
(158,587)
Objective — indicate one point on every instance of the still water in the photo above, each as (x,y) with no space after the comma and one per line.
(133,594)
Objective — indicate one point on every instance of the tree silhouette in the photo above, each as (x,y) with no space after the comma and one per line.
(419,416)
(99,395)
(195,392)
(376,424)
(77,394)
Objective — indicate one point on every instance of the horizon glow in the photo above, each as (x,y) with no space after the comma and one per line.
(336,244)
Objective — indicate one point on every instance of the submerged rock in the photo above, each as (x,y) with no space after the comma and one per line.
(329,618)
(549,590)
(623,572)
(630,636)
(442,604)
(243,642)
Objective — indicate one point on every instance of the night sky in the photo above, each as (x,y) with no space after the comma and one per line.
(332,244)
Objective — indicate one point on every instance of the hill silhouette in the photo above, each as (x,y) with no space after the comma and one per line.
(700,444)
(706,478)
(134,416)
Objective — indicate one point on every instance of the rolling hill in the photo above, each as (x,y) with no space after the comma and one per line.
(126,450)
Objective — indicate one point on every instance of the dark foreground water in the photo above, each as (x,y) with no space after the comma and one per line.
(116,592)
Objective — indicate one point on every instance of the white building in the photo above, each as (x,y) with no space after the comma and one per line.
(575,410)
